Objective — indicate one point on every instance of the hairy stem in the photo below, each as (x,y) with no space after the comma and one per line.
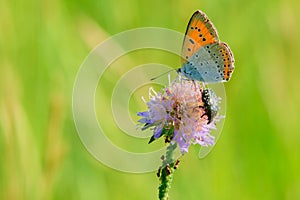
(166,173)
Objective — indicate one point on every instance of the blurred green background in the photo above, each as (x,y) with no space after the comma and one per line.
(42,45)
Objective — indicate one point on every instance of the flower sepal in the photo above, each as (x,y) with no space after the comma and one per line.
(168,132)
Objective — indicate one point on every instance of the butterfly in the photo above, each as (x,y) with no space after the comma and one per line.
(204,57)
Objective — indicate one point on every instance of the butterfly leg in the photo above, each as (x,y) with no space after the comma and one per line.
(195,85)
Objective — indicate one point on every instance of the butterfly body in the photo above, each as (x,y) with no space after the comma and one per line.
(204,57)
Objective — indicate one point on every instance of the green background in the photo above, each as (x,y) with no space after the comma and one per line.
(42,45)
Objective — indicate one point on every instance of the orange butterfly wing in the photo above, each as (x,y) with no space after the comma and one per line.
(200,31)
(228,60)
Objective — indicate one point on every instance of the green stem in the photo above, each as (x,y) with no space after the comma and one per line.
(166,174)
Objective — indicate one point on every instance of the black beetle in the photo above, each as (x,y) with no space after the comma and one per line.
(211,104)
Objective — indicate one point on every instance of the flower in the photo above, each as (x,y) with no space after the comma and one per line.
(181,114)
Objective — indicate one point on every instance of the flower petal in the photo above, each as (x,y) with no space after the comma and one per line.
(157,132)
(143,114)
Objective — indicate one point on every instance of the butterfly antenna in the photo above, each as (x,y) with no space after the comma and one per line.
(152,79)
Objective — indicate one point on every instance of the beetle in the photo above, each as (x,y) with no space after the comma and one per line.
(210,104)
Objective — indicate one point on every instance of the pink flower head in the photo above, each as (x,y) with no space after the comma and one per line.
(181,115)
